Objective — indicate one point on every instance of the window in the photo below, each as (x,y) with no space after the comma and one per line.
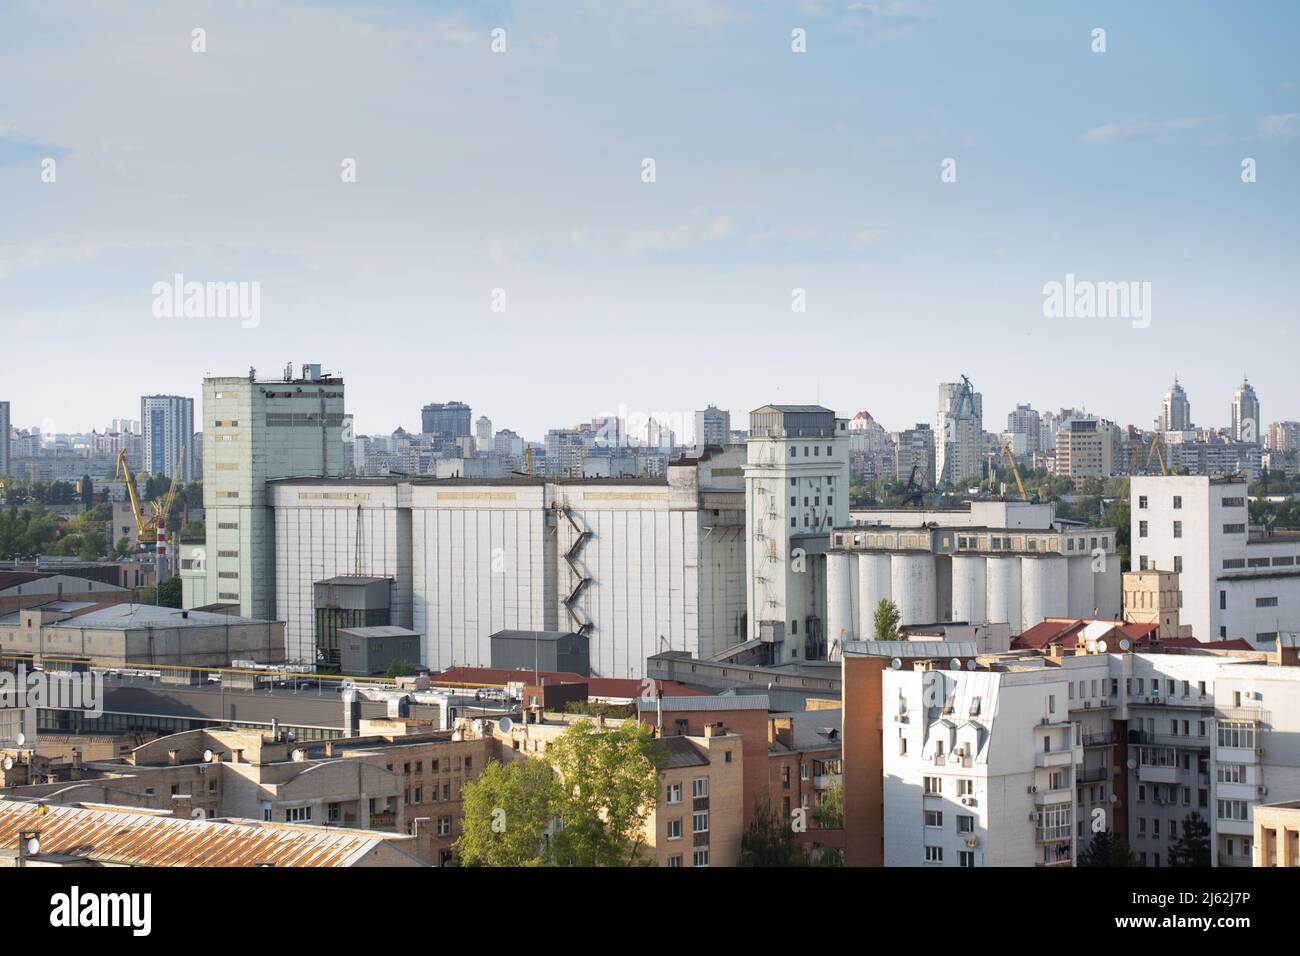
(700,822)
(674,793)
(966,858)
(1178,501)
(675,861)
(965,824)
(1178,529)
(1223,600)
(444,826)
(934,818)
(1234,529)
(1266,602)
(1178,562)
(965,787)
(1231,773)
(674,829)
(700,787)
(933,785)
(1233,810)
(1236,733)
(297,814)
(700,857)
(934,854)
(1142,529)
(1142,501)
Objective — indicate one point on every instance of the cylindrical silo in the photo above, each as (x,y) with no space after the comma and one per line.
(839,597)
(1106,588)
(968,587)
(874,586)
(913,585)
(1002,591)
(1081,599)
(1044,589)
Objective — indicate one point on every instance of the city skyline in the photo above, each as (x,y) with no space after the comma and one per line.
(1113,167)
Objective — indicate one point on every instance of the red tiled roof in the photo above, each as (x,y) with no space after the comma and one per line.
(1236,644)
(1051,631)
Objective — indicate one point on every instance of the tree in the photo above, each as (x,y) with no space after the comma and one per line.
(169,592)
(400,669)
(829,812)
(1117,515)
(1106,849)
(87,492)
(1192,848)
(770,841)
(610,779)
(508,810)
(887,619)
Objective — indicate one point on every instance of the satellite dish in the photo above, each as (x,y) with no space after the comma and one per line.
(33,846)
(1124,644)
(299,755)
(9,763)
(955,664)
(505,725)
(1132,764)
(22,739)
(971,665)
(896,663)
(207,756)
(198,813)
(1102,647)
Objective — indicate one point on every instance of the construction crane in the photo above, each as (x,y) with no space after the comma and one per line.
(912,493)
(1158,449)
(1011,460)
(151,528)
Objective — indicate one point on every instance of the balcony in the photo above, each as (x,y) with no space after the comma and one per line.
(1054,834)
(824,781)
(1100,740)
(1094,775)
(1053,758)
(1160,773)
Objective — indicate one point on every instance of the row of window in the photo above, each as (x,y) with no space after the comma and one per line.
(934,854)
(816,451)
(699,858)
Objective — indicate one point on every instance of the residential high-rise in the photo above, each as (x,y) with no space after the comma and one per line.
(1284,437)
(448,420)
(167,423)
(712,427)
(1245,414)
(1085,448)
(4,439)
(254,432)
(915,447)
(1177,413)
(796,490)
(1025,421)
(959,431)
(483,432)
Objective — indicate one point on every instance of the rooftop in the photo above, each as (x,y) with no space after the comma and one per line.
(122,837)
(718,702)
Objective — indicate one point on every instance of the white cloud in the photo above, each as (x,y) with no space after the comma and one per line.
(1138,128)
(1279,126)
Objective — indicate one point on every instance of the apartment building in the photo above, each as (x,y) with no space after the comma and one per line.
(1086,448)
(804,762)
(697,820)
(1235,581)
(1277,834)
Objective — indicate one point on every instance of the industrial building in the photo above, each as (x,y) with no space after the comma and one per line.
(255,431)
(993,562)
(1236,581)
(635,565)
(796,490)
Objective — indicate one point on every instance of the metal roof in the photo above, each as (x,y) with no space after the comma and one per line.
(378,630)
(129,616)
(509,635)
(911,650)
(680,752)
(119,836)
(714,702)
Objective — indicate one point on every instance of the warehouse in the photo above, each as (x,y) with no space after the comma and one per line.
(636,565)
(996,562)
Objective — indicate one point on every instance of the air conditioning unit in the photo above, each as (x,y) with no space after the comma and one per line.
(1262,791)
(1032,788)
(972,841)
(968,801)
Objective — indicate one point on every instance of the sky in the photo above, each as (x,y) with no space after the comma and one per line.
(517,179)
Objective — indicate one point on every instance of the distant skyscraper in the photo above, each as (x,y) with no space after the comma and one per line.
(959,428)
(450,420)
(712,427)
(1245,414)
(167,422)
(1177,414)
(483,431)
(5,464)
(1025,421)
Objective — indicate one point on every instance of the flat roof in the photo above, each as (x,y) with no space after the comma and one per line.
(130,616)
(378,630)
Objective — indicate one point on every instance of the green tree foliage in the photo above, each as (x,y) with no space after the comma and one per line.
(1116,515)
(25,534)
(1106,849)
(1192,848)
(400,669)
(829,812)
(169,592)
(508,810)
(611,783)
(886,623)
(87,492)
(770,841)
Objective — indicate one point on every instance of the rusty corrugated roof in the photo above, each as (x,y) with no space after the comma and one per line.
(131,838)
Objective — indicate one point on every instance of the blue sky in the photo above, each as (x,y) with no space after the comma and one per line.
(775,171)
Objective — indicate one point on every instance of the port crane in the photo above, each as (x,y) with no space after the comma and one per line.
(152,528)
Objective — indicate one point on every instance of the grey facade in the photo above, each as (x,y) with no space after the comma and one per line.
(368,651)
(557,651)
(167,423)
